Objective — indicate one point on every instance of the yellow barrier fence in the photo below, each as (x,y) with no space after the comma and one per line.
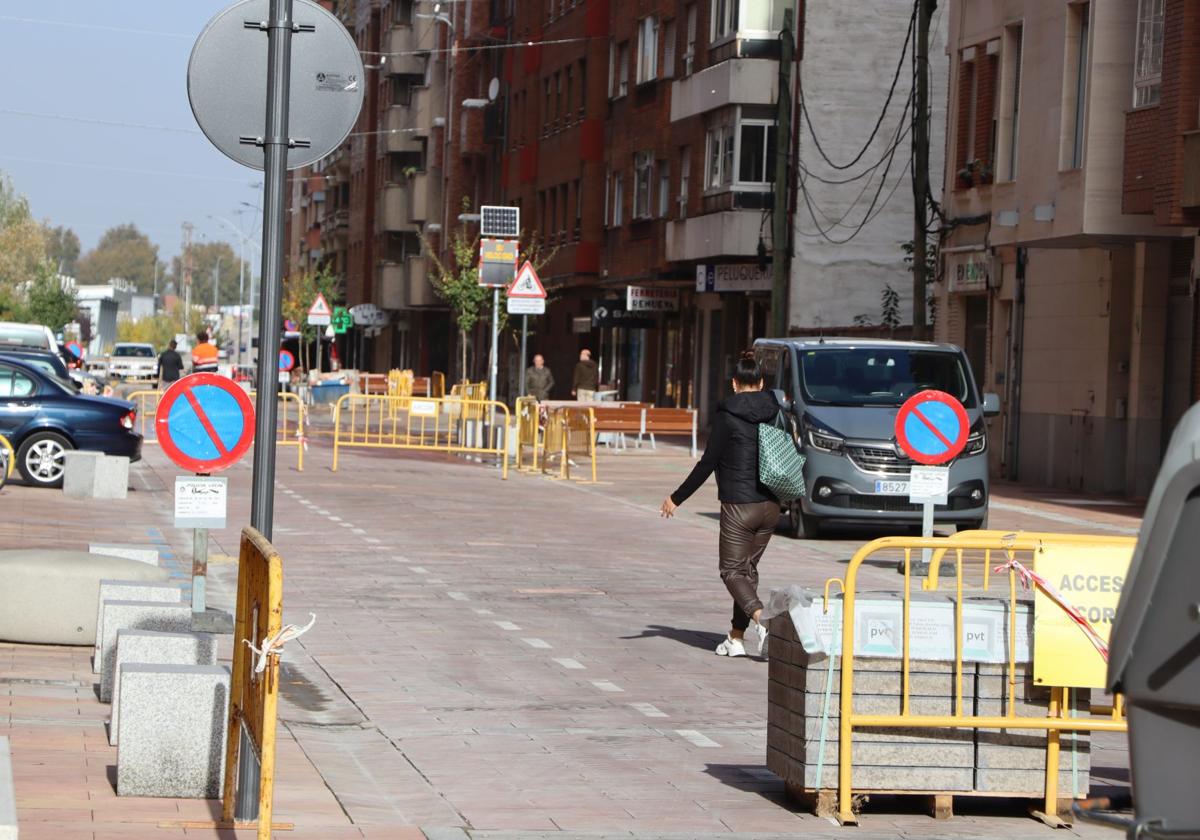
(254,693)
(290,425)
(571,432)
(529,432)
(991,548)
(450,424)
(437,384)
(9,460)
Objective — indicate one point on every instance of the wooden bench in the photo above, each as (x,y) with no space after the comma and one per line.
(619,420)
(373,383)
(669,421)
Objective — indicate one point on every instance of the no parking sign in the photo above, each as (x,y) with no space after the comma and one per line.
(932,427)
(205,422)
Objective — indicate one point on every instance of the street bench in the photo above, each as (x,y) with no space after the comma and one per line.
(669,421)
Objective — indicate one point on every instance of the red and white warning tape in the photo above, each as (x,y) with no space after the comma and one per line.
(1031,578)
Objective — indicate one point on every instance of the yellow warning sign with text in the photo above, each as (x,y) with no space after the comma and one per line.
(1089,577)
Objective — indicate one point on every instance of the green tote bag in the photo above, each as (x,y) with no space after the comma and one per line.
(780,463)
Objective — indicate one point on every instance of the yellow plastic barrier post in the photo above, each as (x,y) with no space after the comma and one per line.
(10,457)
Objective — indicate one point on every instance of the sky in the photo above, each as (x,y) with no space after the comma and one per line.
(87,63)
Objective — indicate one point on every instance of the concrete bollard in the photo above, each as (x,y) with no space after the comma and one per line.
(152,647)
(128,590)
(172,730)
(94,475)
(136,615)
(8,794)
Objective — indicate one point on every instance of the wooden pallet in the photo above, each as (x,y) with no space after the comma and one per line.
(939,804)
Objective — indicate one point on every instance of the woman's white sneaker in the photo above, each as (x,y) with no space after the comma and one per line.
(762,640)
(731,647)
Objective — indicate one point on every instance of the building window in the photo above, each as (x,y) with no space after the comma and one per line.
(582,87)
(567,114)
(643,177)
(402,12)
(724,19)
(689,53)
(1147,62)
(685,179)
(623,69)
(1010,124)
(557,98)
(664,189)
(1075,89)
(546,104)
(578,208)
(563,209)
(720,156)
(756,152)
(647,56)
(618,199)
(668,63)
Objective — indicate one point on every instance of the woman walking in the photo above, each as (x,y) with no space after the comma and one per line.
(749,511)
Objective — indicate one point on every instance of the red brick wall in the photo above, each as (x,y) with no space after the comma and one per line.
(1179,107)
(1143,144)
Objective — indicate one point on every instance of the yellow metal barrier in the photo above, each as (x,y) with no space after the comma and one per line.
(10,459)
(571,431)
(437,384)
(254,695)
(146,403)
(1007,547)
(529,431)
(451,424)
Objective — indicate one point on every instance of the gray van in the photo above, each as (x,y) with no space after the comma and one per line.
(844,394)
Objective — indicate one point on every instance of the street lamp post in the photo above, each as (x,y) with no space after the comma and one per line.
(242,240)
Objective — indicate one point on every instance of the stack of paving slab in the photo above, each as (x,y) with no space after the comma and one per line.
(170,697)
(803,726)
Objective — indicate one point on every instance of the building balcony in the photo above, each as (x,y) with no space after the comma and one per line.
(733,233)
(402,41)
(405,284)
(405,124)
(410,204)
(738,81)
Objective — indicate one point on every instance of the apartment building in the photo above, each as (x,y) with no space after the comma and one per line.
(1072,198)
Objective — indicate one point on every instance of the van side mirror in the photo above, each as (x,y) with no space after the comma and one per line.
(991,405)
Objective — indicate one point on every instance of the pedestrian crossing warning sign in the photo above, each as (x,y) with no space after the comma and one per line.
(527,284)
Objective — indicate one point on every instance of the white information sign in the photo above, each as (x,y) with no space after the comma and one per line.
(422,408)
(651,299)
(526,306)
(929,484)
(201,501)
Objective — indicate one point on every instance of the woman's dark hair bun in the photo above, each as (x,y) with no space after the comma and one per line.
(748,371)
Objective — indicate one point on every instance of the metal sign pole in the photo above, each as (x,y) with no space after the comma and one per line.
(199,570)
(524,335)
(275,147)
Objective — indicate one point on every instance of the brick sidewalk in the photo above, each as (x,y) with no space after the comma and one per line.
(520,656)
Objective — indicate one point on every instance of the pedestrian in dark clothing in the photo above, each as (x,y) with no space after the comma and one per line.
(539,381)
(170,365)
(749,511)
(586,378)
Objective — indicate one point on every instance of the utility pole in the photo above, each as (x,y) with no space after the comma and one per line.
(781,259)
(186,261)
(920,181)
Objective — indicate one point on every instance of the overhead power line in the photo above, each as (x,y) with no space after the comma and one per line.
(97,121)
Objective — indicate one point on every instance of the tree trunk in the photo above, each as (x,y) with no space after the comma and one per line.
(462,343)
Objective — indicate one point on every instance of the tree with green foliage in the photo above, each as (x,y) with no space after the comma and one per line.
(161,327)
(299,292)
(48,302)
(209,259)
(122,252)
(62,249)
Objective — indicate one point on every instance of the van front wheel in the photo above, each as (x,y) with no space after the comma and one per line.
(801,526)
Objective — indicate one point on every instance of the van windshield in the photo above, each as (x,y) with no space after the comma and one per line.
(881,376)
(134,351)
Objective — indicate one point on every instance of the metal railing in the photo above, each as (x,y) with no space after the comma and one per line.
(450,424)
(570,432)
(529,432)
(990,544)
(8,460)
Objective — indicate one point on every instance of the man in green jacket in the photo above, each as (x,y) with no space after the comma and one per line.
(539,381)
(586,379)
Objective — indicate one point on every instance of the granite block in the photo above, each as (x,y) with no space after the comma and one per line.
(136,615)
(141,553)
(8,795)
(94,475)
(128,590)
(957,749)
(1032,782)
(173,721)
(152,647)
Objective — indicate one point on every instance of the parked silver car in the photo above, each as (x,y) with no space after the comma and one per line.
(845,394)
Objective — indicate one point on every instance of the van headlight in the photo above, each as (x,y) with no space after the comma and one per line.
(976,444)
(824,441)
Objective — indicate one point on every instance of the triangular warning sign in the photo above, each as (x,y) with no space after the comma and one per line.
(320,306)
(527,284)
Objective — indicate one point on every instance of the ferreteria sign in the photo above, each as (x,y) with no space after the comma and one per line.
(649,299)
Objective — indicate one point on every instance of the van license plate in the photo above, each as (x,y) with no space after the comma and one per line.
(891,488)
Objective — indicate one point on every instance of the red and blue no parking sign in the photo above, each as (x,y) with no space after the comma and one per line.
(205,422)
(932,427)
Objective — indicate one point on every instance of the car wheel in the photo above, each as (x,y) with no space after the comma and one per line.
(973,525)
(801,525)
(42,458)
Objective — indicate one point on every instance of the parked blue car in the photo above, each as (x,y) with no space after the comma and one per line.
(43,418)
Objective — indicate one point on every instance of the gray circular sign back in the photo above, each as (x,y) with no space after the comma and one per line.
(227,82)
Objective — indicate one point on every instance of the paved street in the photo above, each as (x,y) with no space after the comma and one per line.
(509,658)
